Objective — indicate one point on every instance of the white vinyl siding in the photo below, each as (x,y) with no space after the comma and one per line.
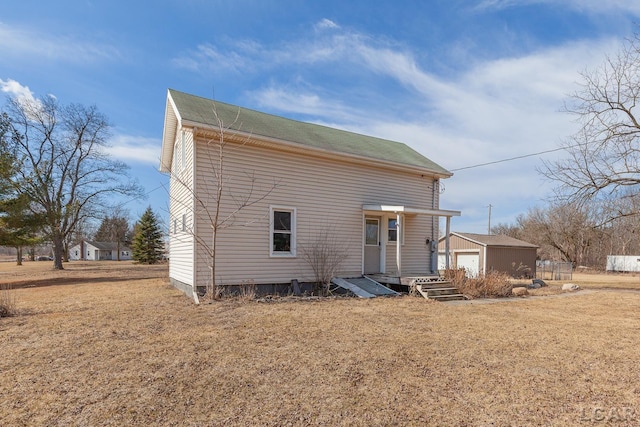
(181,245)
(328,196)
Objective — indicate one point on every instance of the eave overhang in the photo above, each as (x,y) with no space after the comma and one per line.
(409,210)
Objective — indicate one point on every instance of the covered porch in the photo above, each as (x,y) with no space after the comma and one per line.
(397,214)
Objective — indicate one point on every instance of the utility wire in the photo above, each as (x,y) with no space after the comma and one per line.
(119,205)
(510,159)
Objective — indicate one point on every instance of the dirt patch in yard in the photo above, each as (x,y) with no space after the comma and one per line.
(137,352)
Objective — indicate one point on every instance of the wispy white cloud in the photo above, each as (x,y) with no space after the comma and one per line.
(129,148)
(24,42)
(325,24)
(490,110)
(299,97)
(584,6)
(207,56)
(17,90)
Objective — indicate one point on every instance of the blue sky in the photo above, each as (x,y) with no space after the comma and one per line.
(462,82)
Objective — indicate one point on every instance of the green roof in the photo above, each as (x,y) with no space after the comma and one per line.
(200,110)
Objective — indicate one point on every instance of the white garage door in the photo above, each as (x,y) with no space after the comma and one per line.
(470,262)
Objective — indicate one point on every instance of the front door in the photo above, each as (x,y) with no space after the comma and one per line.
(371,245)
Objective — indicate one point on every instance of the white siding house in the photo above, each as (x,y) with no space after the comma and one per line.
(99,251)
(285,185)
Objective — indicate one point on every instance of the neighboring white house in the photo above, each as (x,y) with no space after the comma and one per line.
(376,198)
(98,251)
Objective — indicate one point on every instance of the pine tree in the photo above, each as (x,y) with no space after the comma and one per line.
(148,246)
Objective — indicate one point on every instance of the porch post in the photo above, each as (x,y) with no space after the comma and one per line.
(399,226)
(446,243)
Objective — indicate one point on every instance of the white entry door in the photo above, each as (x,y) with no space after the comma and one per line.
(371,245)
(470,262)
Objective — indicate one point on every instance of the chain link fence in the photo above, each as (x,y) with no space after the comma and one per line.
(554,270)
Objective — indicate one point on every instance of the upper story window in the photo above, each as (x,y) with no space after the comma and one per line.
(283,231)
(183,144)
(174,166)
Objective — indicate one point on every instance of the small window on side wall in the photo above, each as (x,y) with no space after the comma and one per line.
(392,230)
(283,231)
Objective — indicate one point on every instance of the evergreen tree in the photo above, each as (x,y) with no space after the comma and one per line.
(8,158)
(19,227)
(147,246)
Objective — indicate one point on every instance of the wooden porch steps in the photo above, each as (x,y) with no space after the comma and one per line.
(431,287)
(439,291)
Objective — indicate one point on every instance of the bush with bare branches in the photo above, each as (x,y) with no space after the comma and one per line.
(7,300)
(494,284)
(325,255)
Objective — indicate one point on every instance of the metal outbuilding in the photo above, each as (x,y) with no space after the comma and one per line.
(480,253)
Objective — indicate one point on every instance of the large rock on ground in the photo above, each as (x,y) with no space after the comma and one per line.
(570,287)
(520,291)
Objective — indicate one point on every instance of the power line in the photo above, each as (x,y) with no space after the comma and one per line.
(512,158)
(137,198)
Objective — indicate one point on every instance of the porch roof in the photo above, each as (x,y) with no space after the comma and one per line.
(410,210)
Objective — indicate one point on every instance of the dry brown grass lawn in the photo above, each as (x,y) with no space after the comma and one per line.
(610,280)
(133,351)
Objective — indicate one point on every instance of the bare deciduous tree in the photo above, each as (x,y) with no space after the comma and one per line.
(65,169)
(115,228)
(215,203)
(604,156)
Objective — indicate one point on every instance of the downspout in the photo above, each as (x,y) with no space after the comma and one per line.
(194,219)
(398,244)
(434,205)
(435,225)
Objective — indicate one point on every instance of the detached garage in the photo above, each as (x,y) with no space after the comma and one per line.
(480,253)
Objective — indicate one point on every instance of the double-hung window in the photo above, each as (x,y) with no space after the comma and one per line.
(183,147)
(392,230)
(283,231)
